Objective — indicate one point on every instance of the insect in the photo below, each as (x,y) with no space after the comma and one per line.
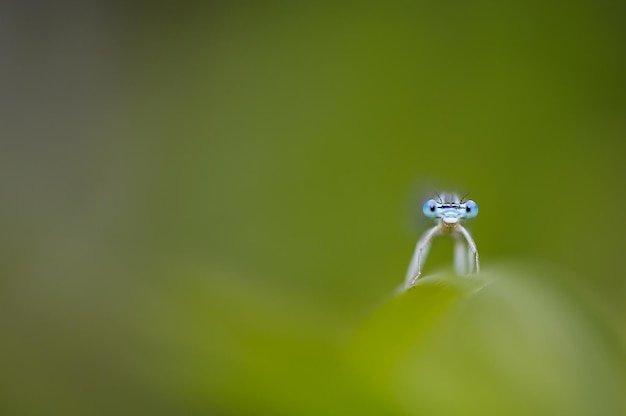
(449,211)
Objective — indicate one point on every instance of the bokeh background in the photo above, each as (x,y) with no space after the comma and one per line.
(206,207)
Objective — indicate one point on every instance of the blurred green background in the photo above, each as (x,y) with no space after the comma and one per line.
(207,207)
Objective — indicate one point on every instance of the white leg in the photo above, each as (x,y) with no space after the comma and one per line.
(473,252)
(470,260)
(419,256)
(460,256)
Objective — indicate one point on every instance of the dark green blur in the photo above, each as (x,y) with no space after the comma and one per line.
(207,208)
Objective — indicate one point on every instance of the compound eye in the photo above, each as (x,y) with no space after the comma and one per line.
(430,208)
(471,209)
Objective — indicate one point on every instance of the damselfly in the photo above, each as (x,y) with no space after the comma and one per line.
(448,210)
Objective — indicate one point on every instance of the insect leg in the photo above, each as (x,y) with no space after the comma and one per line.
(473,252)
(419,256)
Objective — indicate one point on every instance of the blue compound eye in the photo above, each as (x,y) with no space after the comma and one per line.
(471,209)
(430,208)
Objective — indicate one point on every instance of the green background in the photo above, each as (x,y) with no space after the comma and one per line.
(207,207)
